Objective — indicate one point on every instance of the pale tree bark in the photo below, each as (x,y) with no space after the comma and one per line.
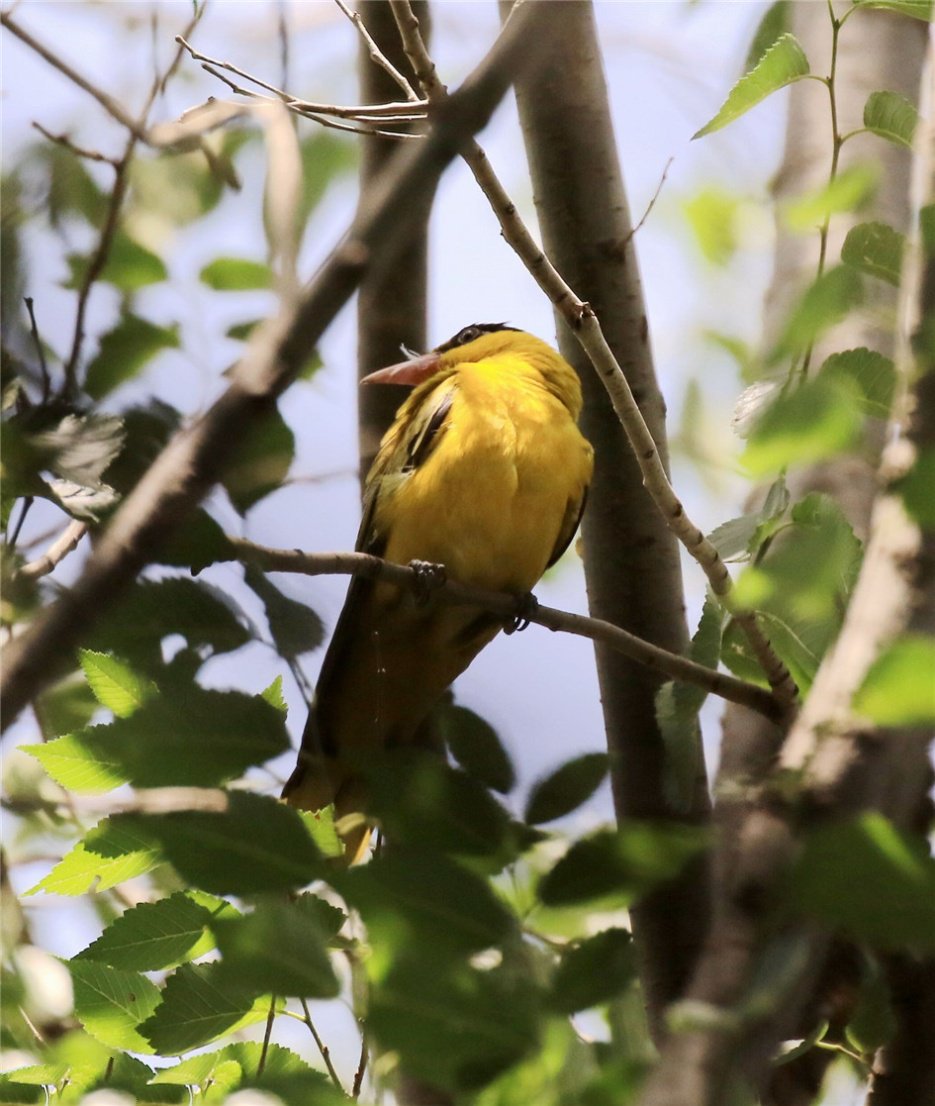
(842,767)
(631,558)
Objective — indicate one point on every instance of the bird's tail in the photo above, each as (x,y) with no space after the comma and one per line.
(321,781)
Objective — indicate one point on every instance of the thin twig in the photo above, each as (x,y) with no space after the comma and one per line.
(267,1035)
(27,505)
(652,202)
(673,665)
(361,1067)
(321,1046)
(586,327)
(40,352)
(63,545)
(78,151)
(376,54)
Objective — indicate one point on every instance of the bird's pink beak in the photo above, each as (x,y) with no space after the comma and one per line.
(409,372)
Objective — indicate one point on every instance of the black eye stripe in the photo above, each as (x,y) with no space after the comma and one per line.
(470,333)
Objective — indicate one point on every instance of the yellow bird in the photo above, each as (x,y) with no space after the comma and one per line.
(483,471)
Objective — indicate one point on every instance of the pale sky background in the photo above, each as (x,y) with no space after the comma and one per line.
(669,66)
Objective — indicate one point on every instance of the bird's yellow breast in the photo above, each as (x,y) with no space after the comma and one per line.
(491,500)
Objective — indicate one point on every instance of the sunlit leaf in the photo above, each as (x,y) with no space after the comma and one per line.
(109,854)
(236,274)
(565,789)
(72,764)
(774,24)
(111,1003)
(848,191)
(918,9)
(899,689)
(829,299)
(712,216)
(875,249)
(129,266)
(476,746)
(783,63)
(891,116)
(114,683)
(124,351)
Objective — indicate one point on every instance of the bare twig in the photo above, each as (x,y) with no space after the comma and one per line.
(673,665)
(361,1068)
(586,327)
(652,203)
(323,1049)
(376,54)
(78,151)
(63,545)
(40,351)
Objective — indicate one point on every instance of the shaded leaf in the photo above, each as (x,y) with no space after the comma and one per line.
(236,274)
(294,627)
(68,705)
(892,117)
(565,789)
(199,543)
(261,462)
(875,249)
(81,448)
(278,948)
(782,63)
(915,488)
(129,266)
(198,1005)
(830,298)
(476,746)
(111,1004)
(124,351)
(873,1023)
(594,971)
(918,9)
(623,863)
(899,689)
(110,853)
(874,375)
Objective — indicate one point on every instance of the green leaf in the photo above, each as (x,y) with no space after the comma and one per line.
(124,351)
(874,375)
(732,539)
(623,863)
(783,63)
(129,266)
(916,489)
(712,216)
(320,826)
(476,746)
(325,158)
(115,685)
(190,737)
(899,689)
(873,1023)
(261,462)
(110,853)
(278,948)
(875,249)
(236,274)
(820,419)
(111,1004)
(244,1064)
(565,789)
(71,188)
(274,696)
(774,24)
(416,898)
(67,705)
(892,117)
(199,543)
(829,299)
(870,880)
(594,971)
(81,447)
(848,191)
(74,766)
(256,844)
(295,628)
(240,332)
(917,9)
(157,935)
(328,918)
(197,1007)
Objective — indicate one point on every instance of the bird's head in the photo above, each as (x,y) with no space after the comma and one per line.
(471,343)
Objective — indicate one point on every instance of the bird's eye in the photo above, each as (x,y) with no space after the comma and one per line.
(468,335)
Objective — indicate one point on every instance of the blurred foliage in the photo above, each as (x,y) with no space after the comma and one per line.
(465,949)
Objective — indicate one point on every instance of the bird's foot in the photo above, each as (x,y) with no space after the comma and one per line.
(428,576)
(526,607)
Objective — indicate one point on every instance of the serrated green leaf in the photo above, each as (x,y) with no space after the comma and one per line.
(565,789)
(236,274)
(256,844)
(875,249)
(109,854)
(327,917)
(261,462)
(829,299)
(114,683)
(774,24)
(190,737)
(197,1007)
(732,538)
(124,351)
(129,266)
(321,829)
(843,863)
(874,375)
(594,971)
(917,9)
(294,627)
(68,705)
(244,1064)
(476,746)
(157,935)
(278,949)
(624,863)
(820,419)
(72,765)
(892,117)
(274,696)
(783,63)
(848,191)
(899,689)
(111,1004)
